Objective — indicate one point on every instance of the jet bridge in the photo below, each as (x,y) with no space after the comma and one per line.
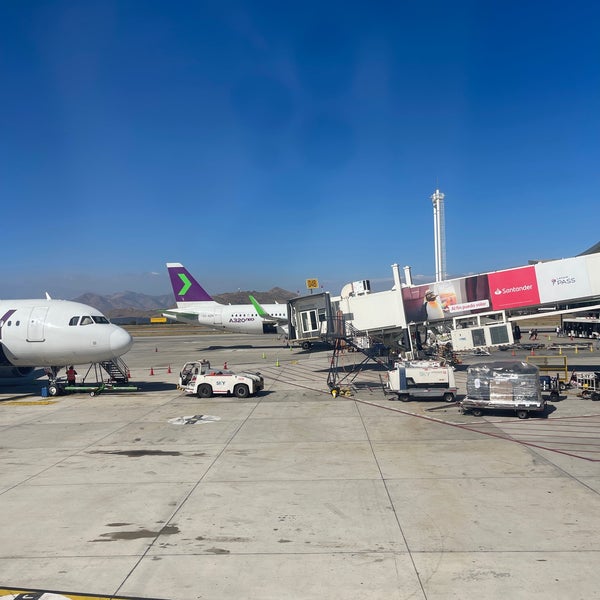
(357,314)
(310,319)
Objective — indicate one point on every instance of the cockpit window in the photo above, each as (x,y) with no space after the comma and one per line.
(73,321)
(86,320)
(100,319)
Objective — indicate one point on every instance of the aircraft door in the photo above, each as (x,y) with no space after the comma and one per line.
(218,320)
(35,326)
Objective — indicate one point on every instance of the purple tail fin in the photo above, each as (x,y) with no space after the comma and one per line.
(185,287)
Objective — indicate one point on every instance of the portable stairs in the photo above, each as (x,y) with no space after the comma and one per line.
(117,370)
(341,336)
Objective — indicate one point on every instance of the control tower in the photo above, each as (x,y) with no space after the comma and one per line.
(439,235)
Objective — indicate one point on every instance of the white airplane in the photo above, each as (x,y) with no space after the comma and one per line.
(194,305)
(54,333)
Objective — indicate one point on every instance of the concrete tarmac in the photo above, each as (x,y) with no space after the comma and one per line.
(294,494)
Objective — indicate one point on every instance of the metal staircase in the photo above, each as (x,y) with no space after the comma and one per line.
(117,370)
(341,336)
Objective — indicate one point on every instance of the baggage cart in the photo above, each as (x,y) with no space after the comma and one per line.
(513,386)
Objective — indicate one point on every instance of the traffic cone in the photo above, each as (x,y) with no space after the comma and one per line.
(156,349)
(560,349)
(591,347)
(169,369)
(513,351)
(532,352)
(225,365)
(264,355)
(277,363)
(128,374)
(576,349)
(151,370)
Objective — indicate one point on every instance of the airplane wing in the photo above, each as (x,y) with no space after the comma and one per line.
(184,317)
(263,314)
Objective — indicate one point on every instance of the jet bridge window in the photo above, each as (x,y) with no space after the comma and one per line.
(74,321)
(309,320)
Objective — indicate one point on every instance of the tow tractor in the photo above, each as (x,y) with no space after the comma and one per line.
(198,377)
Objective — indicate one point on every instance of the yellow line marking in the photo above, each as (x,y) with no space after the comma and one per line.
(28,403)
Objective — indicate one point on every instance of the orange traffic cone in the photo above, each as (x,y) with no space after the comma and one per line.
(225,365)
(532,352)
(513,351)
(169,369)
(151,370)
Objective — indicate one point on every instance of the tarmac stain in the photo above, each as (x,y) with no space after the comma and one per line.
(218,551)
(223,538)
(140,533)
(137,453)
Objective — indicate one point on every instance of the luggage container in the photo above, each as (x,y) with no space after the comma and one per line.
(505,386)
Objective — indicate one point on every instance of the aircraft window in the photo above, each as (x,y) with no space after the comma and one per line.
(86,320)
(17,323)
(73,320)
(100,319)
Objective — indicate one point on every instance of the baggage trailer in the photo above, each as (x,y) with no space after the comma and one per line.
(503,386)
(552,366)
(422,379)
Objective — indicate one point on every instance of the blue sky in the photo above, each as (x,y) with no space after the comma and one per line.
(264,143)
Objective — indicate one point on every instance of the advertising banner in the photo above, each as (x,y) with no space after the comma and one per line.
(446,299)
(592,263)
(513,288)
(565,279)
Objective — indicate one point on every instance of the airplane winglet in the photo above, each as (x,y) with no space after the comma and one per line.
(259,309)
(263,314)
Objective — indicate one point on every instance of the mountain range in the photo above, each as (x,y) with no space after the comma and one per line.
(134,304)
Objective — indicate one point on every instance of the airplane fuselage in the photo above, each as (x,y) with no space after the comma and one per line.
(237,318)
(53,333)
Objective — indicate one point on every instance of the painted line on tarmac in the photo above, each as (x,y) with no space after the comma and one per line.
(37,594)
(27,403)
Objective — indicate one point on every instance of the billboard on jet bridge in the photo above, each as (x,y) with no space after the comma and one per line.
(513,288)
(446,299)
(564,279)
(543,283)
(592,263)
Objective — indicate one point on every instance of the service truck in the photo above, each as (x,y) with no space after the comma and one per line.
(198,377)
(422,379)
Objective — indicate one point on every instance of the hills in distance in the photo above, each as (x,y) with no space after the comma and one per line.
(134,304)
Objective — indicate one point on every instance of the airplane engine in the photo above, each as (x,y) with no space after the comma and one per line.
(11,372)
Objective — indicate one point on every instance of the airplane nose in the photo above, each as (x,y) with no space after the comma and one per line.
(120,341)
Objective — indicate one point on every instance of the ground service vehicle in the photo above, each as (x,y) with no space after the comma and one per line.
(422,379)
(199,378)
